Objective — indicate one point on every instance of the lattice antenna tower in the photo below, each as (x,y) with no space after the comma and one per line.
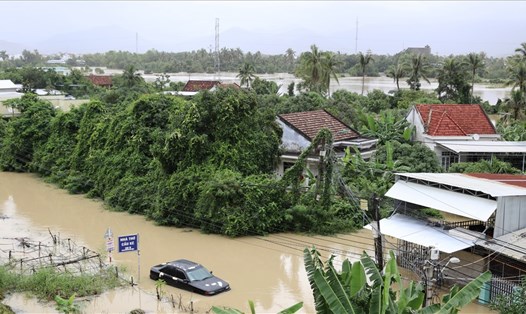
(216,53)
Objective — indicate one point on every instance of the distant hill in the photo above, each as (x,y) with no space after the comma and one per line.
(12,48)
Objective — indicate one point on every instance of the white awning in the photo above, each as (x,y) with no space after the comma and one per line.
(448,201)
(418,232)
(484,146)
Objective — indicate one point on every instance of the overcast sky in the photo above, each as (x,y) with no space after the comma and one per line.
(384,27)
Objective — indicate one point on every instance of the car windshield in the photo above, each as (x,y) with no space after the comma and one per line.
(198,274)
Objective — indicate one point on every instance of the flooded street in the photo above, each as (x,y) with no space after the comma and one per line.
(268,270)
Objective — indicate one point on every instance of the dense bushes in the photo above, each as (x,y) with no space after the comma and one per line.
(205,162)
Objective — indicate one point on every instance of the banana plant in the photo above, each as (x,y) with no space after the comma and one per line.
(290,310)
(361,287)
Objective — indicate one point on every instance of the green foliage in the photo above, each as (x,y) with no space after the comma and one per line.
(264,87)
(25,134)
(453,86)
(48,283)
(512,131)
(234,206)
(67,305)
(493,165)
(386,127)
(349,292)
(514,304)
(225,310)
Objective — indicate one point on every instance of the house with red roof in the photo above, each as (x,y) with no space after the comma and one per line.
(199,85)
(101,80)
(462,133)
(300,129)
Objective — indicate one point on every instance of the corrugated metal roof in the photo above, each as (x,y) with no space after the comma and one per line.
(456,203)
(512,244)
(417,231)
(484,146)
(7,84)
(464,181)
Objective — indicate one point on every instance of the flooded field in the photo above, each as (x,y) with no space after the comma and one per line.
(268,270)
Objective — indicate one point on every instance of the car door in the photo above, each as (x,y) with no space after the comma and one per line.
(181,279)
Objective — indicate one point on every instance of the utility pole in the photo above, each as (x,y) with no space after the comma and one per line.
(356,38)
(430,272)
(217,66)
(378,249)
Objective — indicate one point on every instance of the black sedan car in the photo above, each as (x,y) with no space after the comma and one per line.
(190,276)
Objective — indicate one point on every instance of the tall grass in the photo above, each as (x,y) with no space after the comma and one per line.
(48,283)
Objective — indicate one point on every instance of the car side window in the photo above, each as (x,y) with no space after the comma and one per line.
(169,270)
(179,274)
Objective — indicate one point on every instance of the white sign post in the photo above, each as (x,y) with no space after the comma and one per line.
(109,242)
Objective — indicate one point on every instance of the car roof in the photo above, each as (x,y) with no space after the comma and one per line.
(184,264)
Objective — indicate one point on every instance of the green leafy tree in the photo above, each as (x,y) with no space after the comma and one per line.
(417,70)
(452,82)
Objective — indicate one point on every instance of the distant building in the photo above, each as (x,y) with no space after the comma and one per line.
(199,85)
(101,80)
(426,51)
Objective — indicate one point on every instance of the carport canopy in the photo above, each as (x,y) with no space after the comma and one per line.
(419,232)
(452,202)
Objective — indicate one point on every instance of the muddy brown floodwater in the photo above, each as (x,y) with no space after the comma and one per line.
(267,270)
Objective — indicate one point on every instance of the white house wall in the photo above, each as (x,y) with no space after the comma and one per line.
(511,214)
(292,141)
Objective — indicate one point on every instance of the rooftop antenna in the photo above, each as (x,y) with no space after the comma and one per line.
(216,57)
(356,39)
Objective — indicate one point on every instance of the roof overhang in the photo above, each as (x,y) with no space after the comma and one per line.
(484,146)
(456,203)
(420,232)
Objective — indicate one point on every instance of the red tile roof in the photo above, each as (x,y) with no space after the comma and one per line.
(309,123)
(196,85)
(101,80)
(512,179)
(230,85)
(455,120)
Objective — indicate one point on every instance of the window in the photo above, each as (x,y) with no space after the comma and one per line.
(198,274)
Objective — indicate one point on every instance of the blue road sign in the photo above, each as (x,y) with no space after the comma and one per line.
(128,243)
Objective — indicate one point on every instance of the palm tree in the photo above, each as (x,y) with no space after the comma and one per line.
(417,71)
(131,76)
(396,73)
(330,64)
(517,72)
(289,54)
(517,103)
(246,74)
(522,50)
(364,61)
(3,55)
(475,62)
(311,68)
